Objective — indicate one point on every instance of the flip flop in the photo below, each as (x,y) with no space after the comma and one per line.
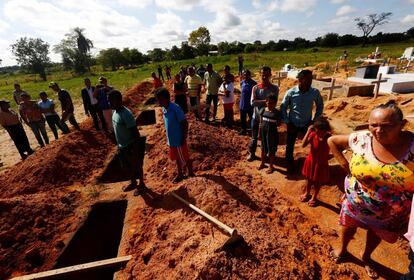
(270,171)
(313,203)
(371,272)
(336,258)
(305,198)
(262,166)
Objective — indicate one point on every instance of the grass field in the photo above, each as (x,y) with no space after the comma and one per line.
(123,79)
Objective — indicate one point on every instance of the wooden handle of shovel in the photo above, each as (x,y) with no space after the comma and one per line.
(225,227)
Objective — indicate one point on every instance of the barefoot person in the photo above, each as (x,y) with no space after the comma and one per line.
(31,114)
(176,127)
(127,136)
(378,191)
(67,106)
(270,120)
(11,123)
(299,102)
(316,166)
(52,118)
(260,93)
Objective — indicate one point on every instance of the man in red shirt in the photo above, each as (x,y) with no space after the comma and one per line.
(156,82)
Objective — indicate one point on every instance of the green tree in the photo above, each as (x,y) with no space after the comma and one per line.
(111,57)
(136,57)
(187,52)
(33,54)
(75,51)
(367,24)
(200,39)
(410,32)
(330,40)
(157,55)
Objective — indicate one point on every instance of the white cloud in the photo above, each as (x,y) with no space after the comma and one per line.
(408,19)
(3,26)
(344,10)
(292,5)
(182,5)
(136,3)
(340,20)
(256,4)
(338,1)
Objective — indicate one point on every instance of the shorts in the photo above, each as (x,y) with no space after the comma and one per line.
(180,154)
(194,102)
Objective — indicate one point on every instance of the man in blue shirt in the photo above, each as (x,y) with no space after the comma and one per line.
(299,102)
(246,108)
(176,127)
(131,147)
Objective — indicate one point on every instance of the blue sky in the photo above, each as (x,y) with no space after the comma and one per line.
(145,24)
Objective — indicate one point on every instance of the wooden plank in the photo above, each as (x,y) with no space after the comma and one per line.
(50,274)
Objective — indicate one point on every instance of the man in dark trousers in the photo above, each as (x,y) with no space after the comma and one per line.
(131,150)
(67,106)
(296,111)
(11,123)
(91,106)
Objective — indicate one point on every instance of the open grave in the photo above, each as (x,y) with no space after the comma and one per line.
(97,239)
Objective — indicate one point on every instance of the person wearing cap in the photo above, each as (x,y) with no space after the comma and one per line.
(31,114)
(9,119)
(211,82)
(91,106)
(67,106)
(296,111)
(17,92)
(101,94)
(52,118)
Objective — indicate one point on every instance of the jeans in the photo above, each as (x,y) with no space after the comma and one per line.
(19,137)
(54,123)
(410,274)
(39,130)
(292,134)
(255,133)
(71,118)
(243,118)
(96,112)
(211,98)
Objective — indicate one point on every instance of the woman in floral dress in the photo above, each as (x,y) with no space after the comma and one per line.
(378,189)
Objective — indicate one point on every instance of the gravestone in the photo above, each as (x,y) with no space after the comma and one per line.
(363,90)
(367,71)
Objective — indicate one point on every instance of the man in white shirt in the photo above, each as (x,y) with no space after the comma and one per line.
(90,104)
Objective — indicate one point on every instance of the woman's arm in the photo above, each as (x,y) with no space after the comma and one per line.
(306,141)
(337,144)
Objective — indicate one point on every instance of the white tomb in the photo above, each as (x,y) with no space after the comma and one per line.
(396,83)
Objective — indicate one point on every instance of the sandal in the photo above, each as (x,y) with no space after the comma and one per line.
(305,197)
(313,203)
(178,179)
(270,171)
(371,272)
(261,166)
(338,259)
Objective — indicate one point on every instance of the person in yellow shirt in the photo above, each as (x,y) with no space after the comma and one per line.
(193,83)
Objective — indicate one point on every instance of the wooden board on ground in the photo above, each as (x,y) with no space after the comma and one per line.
(76,269)
(362,90)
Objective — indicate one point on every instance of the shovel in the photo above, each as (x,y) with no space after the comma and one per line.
(234,240)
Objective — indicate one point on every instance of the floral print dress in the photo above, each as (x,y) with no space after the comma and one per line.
(377,194)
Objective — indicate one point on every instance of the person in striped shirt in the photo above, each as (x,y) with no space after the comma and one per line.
(194,82)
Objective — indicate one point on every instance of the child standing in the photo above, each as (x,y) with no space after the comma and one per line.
(226,90)
(270,120)
(316,167)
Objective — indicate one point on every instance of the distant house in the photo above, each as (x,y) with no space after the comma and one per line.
(213,53)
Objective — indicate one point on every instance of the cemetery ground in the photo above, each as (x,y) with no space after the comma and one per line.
(54,206)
